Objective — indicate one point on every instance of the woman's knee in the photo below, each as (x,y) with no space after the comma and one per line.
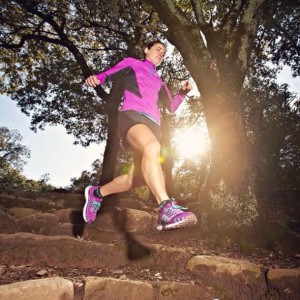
(152,149)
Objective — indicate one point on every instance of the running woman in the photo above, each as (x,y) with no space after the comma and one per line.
(139,121)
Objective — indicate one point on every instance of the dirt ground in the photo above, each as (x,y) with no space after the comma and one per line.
(265,249)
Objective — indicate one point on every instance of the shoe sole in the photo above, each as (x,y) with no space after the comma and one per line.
(191,221)
(86,196)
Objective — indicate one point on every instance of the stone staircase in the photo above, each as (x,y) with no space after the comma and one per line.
(48,252)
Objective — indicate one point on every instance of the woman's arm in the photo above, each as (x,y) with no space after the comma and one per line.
(172,103)
(119,69)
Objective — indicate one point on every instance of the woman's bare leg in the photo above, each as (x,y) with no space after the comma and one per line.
(146,158)
(124,182)
(144,142)
(147,149)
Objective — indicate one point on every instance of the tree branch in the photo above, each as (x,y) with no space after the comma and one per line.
(154,28)
(66,42)
(247,31)
(197,7)
(26,37)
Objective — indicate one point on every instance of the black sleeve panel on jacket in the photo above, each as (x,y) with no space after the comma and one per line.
(130,81)
(163,97)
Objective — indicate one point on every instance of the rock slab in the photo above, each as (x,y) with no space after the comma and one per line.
(47,289)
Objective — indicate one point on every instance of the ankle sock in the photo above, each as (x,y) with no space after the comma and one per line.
(163,203)
(97,193)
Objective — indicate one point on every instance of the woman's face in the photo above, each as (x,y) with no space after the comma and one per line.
(156,53)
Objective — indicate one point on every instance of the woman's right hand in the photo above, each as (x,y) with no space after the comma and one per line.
(92,81)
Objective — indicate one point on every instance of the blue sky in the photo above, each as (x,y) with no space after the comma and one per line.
(53,151)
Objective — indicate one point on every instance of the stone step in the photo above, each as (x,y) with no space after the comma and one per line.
(46,230)
(46,289)
(41,204)
(117,289)
(51,201)
(215,277)
(70,222)
(96,288)
(67,252)
(112,224)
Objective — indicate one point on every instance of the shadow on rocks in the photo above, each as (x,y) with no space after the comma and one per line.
(77,223)
(135,250)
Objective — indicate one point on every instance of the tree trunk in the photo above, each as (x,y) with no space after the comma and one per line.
(228,141)
(229,187)
(229,192)
(113,139)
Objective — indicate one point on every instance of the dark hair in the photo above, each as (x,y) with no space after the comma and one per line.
(151,44)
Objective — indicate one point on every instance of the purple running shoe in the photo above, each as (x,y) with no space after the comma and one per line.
(172,216)
(92,204)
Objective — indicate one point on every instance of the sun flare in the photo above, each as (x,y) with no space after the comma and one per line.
(191,142)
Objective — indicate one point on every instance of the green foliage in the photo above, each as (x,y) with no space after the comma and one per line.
(273,126)
(12,158)
(86,178)
(11,180)
(278,35)
(234,209)
(12,152)
(188,177)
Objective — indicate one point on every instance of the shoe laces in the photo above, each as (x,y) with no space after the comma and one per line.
(176,206)
(95,206)
(173,209)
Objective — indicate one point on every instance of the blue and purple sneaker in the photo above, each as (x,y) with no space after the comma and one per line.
(92,204)
(172,216)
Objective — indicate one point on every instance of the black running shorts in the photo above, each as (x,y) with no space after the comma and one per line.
(129,118)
